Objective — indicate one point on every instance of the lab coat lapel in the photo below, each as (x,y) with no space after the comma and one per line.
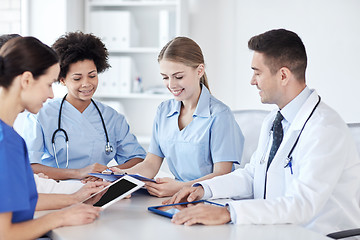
(275,184)
(260,160)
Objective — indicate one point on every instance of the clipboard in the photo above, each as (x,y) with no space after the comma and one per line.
(113,176)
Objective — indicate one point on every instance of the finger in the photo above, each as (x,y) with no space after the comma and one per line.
(159,180)
(167,201)
(192,221)
(153,192)
(117,170)
(194,195)
(150,184)
(180,217)
(181,196)
(100,184)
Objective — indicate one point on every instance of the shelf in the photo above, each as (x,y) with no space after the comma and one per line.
(134,96)
(119,3)
(136,50)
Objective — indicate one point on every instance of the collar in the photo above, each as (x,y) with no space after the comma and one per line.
(202,108)
(292,108)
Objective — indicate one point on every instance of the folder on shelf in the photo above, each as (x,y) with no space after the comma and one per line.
(123,33)
(117,79)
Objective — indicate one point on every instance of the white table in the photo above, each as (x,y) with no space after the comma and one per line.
(130,219)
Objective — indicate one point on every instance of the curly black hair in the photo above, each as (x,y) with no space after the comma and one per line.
(78,46)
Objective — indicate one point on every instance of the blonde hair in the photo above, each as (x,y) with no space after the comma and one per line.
(186,51)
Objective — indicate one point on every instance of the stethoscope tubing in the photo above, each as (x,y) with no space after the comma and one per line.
(108,147)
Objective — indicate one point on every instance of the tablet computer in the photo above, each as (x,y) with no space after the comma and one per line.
(113,176)
(170,209)
(116,191)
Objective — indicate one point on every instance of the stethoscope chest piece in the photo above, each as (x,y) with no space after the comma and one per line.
(108,148)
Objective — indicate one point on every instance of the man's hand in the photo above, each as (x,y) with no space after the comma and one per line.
(203,214)
(186,194)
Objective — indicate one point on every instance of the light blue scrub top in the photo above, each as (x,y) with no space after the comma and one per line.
(17,186)
(86,134)
(212,136)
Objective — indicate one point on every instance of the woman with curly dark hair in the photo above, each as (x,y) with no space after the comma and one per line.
(76,135)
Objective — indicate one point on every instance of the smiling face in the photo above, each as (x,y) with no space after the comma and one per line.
(269,84)
(40,89)
(181,80)
(81,81)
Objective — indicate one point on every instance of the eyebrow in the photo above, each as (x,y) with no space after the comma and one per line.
(255,69)
(171,74)
(79,74)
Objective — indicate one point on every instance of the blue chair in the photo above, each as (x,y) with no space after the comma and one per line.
(355,131)
(250,122)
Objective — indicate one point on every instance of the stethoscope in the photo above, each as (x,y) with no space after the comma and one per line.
(108,147)
(288,161)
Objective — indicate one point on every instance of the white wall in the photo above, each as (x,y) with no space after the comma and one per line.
(48,20)
(329,29)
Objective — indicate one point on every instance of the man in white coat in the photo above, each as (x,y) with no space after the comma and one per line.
(314,176)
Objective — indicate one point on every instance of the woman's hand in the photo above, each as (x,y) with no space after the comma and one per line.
(164,187)
(43,175)
(78,214)
(89,189)
(93,168)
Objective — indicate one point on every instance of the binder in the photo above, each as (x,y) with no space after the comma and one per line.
(117,79)
(122,35)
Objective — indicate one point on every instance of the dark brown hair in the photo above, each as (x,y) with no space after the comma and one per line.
(282,48)
(23,54)
(186,51)
(77,46)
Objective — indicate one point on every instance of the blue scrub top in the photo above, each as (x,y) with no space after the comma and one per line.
(86,134)
(17,185)
(212,136)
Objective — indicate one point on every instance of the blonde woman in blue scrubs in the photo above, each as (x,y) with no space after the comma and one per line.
(195,132)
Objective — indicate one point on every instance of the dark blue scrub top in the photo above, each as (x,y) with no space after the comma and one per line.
(17,186)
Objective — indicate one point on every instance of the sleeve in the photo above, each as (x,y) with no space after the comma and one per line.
(13,180)
(34,138)
(51,186)
(154,147)
(311,186)
(127,145)
(226,138)
(237,184)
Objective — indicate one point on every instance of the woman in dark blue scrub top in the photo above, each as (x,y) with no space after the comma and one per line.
(27,70)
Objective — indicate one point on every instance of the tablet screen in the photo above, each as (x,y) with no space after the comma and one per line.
(170,210)
(114,191)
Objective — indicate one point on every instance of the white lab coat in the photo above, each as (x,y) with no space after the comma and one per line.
(323,193)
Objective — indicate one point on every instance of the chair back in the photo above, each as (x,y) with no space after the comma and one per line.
(250,122)
(355,131)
